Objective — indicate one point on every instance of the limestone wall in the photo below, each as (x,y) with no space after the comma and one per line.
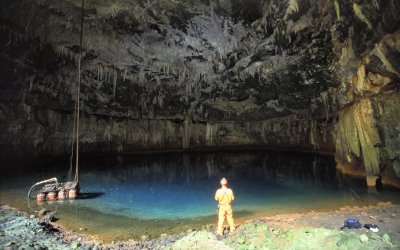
(35,132)
(368,139)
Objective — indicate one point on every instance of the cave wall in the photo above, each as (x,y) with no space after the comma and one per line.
(368,138)
(39,132)
(306,75)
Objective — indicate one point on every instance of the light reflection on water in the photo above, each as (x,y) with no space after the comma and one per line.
(150,194)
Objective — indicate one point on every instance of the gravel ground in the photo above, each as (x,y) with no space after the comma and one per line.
(289,231)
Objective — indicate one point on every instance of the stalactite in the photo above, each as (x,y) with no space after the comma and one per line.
(63,52)
(325,102)
(359,83)
(221,53)
(314,135)
(158,80)
(13,37)
(125,73)
(31,80)
(347,52)
(209,134)
(115,79)
(376,4)
(301,24)
(226,28)
(358,12)
(142,75)
(293,7)
(160,100)
(380,52)
(358,136)
(99,68)
(337,9)
(181,75)
(108,73)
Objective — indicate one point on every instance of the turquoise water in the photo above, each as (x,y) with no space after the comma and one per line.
(182,186)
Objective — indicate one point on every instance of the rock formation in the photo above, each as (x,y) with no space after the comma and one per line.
(304,75)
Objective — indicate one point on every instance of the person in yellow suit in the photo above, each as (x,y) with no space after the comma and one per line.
(224,196)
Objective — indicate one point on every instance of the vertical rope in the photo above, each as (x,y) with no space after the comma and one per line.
(72,145)
(76,178)
(78,98)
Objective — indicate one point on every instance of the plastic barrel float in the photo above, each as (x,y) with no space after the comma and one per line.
(53,190)
(41,197)
(51,196)
(62,195)
(72,193)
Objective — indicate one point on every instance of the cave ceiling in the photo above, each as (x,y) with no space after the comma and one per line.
(210,60)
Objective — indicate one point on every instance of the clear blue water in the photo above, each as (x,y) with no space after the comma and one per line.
(181,186)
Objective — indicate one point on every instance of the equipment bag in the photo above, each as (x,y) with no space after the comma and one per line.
(352,223)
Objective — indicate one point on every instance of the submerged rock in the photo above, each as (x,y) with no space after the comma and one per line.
(49,217)
(42,211)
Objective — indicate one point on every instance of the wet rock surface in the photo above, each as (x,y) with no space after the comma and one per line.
(182,75)
(21,232)
(18,231)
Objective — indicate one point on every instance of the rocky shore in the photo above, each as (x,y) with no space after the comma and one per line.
(312,230)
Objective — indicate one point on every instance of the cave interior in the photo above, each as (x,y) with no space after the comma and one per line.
(312,76)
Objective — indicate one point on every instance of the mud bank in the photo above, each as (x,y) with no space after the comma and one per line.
(312,230)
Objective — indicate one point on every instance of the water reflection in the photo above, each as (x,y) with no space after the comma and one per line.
(183,185)
(88,195)
(281,169)
(167,192)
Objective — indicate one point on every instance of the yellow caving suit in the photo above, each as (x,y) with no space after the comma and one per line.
(224,196)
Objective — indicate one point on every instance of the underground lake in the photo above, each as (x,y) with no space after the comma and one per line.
(126,197)
(140,107)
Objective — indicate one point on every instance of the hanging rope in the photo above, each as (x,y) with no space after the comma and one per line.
(71,158)
(76,178)
(72,146)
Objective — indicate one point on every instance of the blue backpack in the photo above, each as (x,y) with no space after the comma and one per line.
(352,223)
